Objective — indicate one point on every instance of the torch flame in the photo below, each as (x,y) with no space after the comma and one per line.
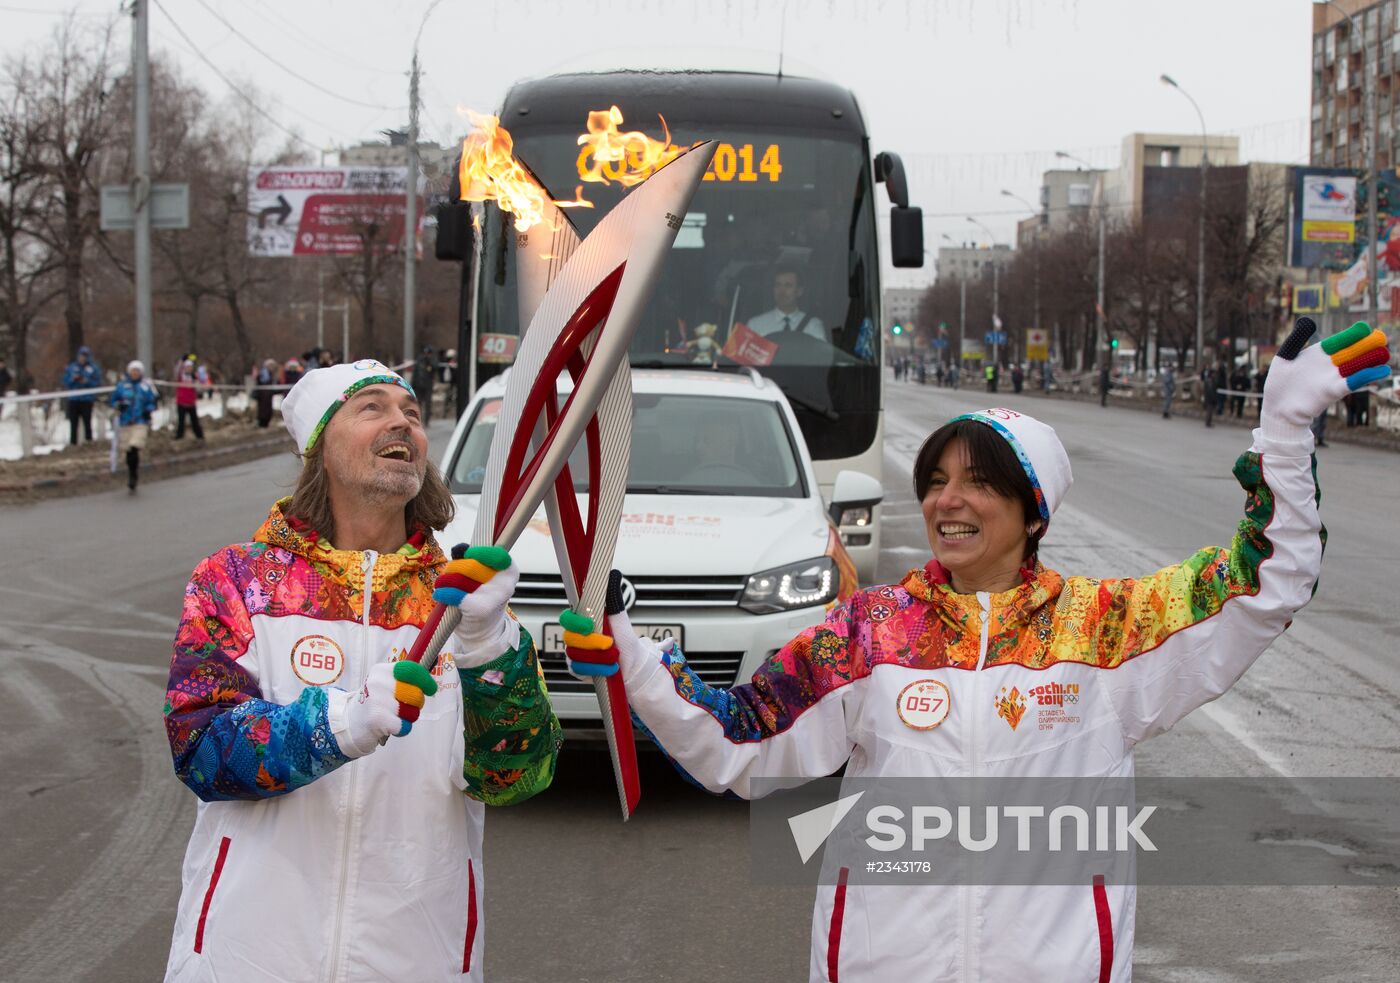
(489,172)
(609,154)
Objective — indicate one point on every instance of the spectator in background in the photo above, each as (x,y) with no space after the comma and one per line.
(1104,383)
(1260,377)
(991,373)
(1018,377)
(5,377)
(1239,382)
(1208,393)
(422,382)
(291,372)
(81,374)
(135,400)
(324,359)
(1168,391)
(264,390)
(1222,383)
(187,398)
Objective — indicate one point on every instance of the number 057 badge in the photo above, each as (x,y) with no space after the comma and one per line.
(923,704)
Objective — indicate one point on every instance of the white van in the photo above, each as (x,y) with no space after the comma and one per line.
(725,542)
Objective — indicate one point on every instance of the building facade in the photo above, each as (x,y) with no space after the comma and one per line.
(970,262)
(1342,60)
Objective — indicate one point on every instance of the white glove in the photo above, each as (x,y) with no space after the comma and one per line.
(1304,382)
(386,706)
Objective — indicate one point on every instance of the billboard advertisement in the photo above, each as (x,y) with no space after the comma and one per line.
(1037,344)
(326,211)
(1329,226)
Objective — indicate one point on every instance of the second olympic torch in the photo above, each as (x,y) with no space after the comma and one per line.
(583,300)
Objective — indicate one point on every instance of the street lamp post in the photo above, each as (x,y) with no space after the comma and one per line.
(1200,231)
(1035,259)
(996,287)
(1098,306)
(410,226)
(1369,153)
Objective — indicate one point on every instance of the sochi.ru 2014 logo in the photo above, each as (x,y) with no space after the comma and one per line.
(1056,694)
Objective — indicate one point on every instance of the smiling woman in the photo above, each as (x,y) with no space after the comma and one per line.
(980,508)
(938,678)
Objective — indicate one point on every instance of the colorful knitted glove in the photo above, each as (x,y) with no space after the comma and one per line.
(387,705)
(480,580)
(592,653)
(1304,381)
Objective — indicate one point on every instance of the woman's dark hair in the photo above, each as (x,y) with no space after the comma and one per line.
(991,457)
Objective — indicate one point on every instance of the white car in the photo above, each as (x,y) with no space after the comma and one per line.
(725,542)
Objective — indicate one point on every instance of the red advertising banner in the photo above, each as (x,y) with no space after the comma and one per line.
(327,211)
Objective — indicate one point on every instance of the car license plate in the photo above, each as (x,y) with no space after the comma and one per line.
(553,641)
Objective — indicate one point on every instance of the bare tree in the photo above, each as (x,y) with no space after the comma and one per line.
(64,91)
(368,272)
(26,281)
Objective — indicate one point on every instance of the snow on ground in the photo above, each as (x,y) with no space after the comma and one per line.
(51,422)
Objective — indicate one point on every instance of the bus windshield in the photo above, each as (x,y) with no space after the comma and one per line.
(774,266)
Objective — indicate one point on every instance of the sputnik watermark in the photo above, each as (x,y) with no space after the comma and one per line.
(1071,830)
(930,824)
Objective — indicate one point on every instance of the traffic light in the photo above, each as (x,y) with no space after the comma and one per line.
(1113,343)
(897,329)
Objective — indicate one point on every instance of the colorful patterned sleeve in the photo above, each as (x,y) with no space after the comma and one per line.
(512,735)
(788,721)
(227,742)
(1182,636)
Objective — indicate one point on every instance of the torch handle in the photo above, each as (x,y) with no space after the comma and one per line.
(434,634)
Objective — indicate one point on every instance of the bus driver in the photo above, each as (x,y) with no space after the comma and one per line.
(786,315)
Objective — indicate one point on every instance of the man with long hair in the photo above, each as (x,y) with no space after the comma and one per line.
(341,787)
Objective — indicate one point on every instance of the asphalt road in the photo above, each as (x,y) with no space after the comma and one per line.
(95,823)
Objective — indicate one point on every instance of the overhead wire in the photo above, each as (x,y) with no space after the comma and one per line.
(318,43)
(293,73)
(252,103)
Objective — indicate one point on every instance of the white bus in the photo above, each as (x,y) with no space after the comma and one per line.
(776,265)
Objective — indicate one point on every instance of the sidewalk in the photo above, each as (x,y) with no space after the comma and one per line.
(1191,409)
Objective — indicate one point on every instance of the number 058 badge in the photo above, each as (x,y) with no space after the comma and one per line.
(923,704)
(317,660)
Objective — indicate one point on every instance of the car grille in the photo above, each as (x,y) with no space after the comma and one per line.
(714,668)
(652,592)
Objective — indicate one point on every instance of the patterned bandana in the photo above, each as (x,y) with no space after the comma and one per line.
(1037,448)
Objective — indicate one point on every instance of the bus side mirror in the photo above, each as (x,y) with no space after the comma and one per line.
(906,224)
(454,223)
(907,237)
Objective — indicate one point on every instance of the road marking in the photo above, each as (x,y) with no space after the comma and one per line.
(29,690)
(60,591)
(137,860)
(166,636)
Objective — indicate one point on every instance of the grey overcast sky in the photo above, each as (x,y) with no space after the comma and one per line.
(976,94)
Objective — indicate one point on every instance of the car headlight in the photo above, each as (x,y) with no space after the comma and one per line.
(798,585)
